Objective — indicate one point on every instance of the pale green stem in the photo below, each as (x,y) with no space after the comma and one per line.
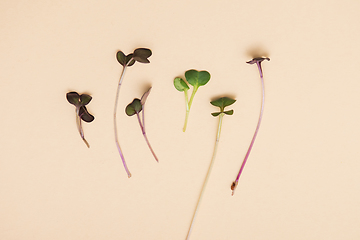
(188,105)
(207,175)
(187,109)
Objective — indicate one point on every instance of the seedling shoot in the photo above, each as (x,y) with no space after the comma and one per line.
(79,101)
(135,107)
(221,103)
(194,78)
(139,55)
(258,63)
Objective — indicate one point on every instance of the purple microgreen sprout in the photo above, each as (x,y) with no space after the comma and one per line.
(139,55)
(135,107)
(258,63)
(79,101)
(221,103)
(194,78)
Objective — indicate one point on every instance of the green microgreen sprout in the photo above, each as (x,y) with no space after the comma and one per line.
(221,103)
(258,63)
(81,112)
(135,107)
(194,78)
(139,55)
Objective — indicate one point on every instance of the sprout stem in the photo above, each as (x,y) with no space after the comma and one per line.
(187,109)
(143,116)
(188,105)
(79,127)
(235,183)
(142,126)
(207,175)
(115,126)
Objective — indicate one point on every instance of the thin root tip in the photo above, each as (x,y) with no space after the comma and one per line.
(233,187)
(86,143)
(129,175)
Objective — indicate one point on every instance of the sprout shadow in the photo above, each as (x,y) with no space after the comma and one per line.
(256,51)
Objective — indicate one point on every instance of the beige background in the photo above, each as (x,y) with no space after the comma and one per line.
(302,177)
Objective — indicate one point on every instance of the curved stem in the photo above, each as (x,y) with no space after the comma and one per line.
(143,116)
(142,126)
(115,126)
(207,175)
(235,183)
(188,105)
(79,127)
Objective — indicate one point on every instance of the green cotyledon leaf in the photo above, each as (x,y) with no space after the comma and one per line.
(197,78)
(180,84)
(133,107)
(223,102)
(142,55)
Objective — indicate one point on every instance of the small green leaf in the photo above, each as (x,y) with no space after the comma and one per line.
(85,99)
(180,84)
(230,112)
(142,54)
(196,78)
(223,102)
(134,107)
(129,110)
(120,56)
(136,103)
(85,115)
(204,77)
(73,98)
(215,114)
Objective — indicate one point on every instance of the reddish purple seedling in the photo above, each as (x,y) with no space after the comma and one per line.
(258,63)
(139,55)
(135,107)
(82,114)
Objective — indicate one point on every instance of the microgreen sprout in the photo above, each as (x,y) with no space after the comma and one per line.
(81,112)
(221,103)
(139,55)
(194,78)
(258,63)
(135,107)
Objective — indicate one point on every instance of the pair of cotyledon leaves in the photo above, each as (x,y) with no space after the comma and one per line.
(80,101)
(200,78)
(136,105)
(194,78)
(139,55)
(222,103)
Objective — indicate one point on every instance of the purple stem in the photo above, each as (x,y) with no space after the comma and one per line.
(79,126)
(115,125)
(235,183)
(142,126)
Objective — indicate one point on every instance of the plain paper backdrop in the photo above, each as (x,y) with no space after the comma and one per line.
(302,177)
